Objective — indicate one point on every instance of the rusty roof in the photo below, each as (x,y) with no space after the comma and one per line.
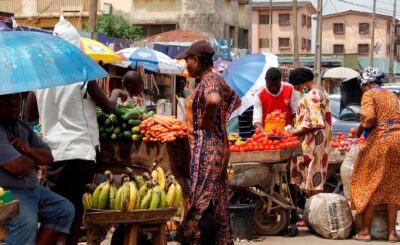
(177,36)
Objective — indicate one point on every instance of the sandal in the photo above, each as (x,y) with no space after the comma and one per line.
(357,238)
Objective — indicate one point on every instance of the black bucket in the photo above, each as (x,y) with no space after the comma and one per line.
(241,218)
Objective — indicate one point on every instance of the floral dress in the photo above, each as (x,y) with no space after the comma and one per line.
(310,170)
(376,176)
(210,156)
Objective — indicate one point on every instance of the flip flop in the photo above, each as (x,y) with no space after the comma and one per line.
(357,238)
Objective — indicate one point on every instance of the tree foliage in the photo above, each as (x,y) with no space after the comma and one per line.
(117,26)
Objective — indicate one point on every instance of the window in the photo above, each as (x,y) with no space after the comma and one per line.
(308,44)
(284,42)
(363,48)
(303,43)
(363,28)
(243,39)
(284,19)
(338,28)
(338,49)
(303,20)
(308,21)
(263,42)
(264,19)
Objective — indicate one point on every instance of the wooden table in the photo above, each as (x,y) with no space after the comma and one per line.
(145,221)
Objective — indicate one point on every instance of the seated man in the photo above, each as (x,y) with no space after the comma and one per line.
(21,152)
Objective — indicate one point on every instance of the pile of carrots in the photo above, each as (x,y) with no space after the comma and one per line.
(163,128)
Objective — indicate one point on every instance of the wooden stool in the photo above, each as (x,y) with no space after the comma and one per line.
(158,230)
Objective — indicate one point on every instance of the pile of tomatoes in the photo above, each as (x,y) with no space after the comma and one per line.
(261,142)
(343,143)
(276,116)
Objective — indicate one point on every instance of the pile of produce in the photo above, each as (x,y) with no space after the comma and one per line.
(124,124)
(149,191)
(277,116)
(273,140)
(344,144)
(163,128)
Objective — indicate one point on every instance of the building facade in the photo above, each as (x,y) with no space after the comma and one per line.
(282,27)
(46,13)
(351,32)
(223,19)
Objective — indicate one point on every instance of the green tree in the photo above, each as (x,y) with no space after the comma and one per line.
(117,26)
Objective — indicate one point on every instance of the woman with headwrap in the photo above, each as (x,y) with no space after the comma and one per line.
(314,129)
(376,176)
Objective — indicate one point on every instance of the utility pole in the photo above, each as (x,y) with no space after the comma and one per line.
(372,49)
(295,36)
(318,48)
(270,26)
(92,15)
(392,44)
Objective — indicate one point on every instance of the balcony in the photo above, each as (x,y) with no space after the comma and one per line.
(51,6)
(11,6)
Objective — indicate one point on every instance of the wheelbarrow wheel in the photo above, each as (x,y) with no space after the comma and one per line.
(272,224)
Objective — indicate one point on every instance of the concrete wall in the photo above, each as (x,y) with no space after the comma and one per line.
(351,37)
(279,31)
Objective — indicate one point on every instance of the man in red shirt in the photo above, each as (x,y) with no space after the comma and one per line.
(275,96)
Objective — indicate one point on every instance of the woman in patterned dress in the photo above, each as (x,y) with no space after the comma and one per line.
(376,176)
(314,128)
(208,108)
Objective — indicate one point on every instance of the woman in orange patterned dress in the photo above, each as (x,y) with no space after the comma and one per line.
(376,176)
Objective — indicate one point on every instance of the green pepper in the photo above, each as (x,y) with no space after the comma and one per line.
(114,136)
(134,122)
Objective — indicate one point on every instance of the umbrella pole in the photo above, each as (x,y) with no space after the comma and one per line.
(173,96)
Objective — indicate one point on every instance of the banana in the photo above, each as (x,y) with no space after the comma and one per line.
(112,196)
(125,196)
(161,180)
(142,191)
(87,200)
(96,195)
(178,194)
(180,208)
(169,199)
(145,202)
(104,196)
(163,199)
(132,195)
(118,199)
(137,202)
(155,199)
(139,181)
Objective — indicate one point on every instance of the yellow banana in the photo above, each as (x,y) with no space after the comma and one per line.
(161,180)
(170,196)
(132,195)
(155,199)
(112,196)
(118,199)
(178,194)
(154,176)
(104,196)
(137,202)
(87,200)
(125,196)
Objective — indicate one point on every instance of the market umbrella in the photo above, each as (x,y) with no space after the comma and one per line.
(151,60)
(341,73)
(99,52)
(247,75)
(34,60)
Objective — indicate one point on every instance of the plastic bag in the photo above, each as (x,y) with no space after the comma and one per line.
(329,215)
(67,31)
(346,170)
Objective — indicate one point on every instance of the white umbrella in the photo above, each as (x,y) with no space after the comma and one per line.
(341,73)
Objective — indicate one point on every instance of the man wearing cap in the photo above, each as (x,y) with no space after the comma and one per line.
(208,109)
(21,152)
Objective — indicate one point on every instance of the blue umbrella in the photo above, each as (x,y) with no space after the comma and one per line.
(34,60)
(247,75)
